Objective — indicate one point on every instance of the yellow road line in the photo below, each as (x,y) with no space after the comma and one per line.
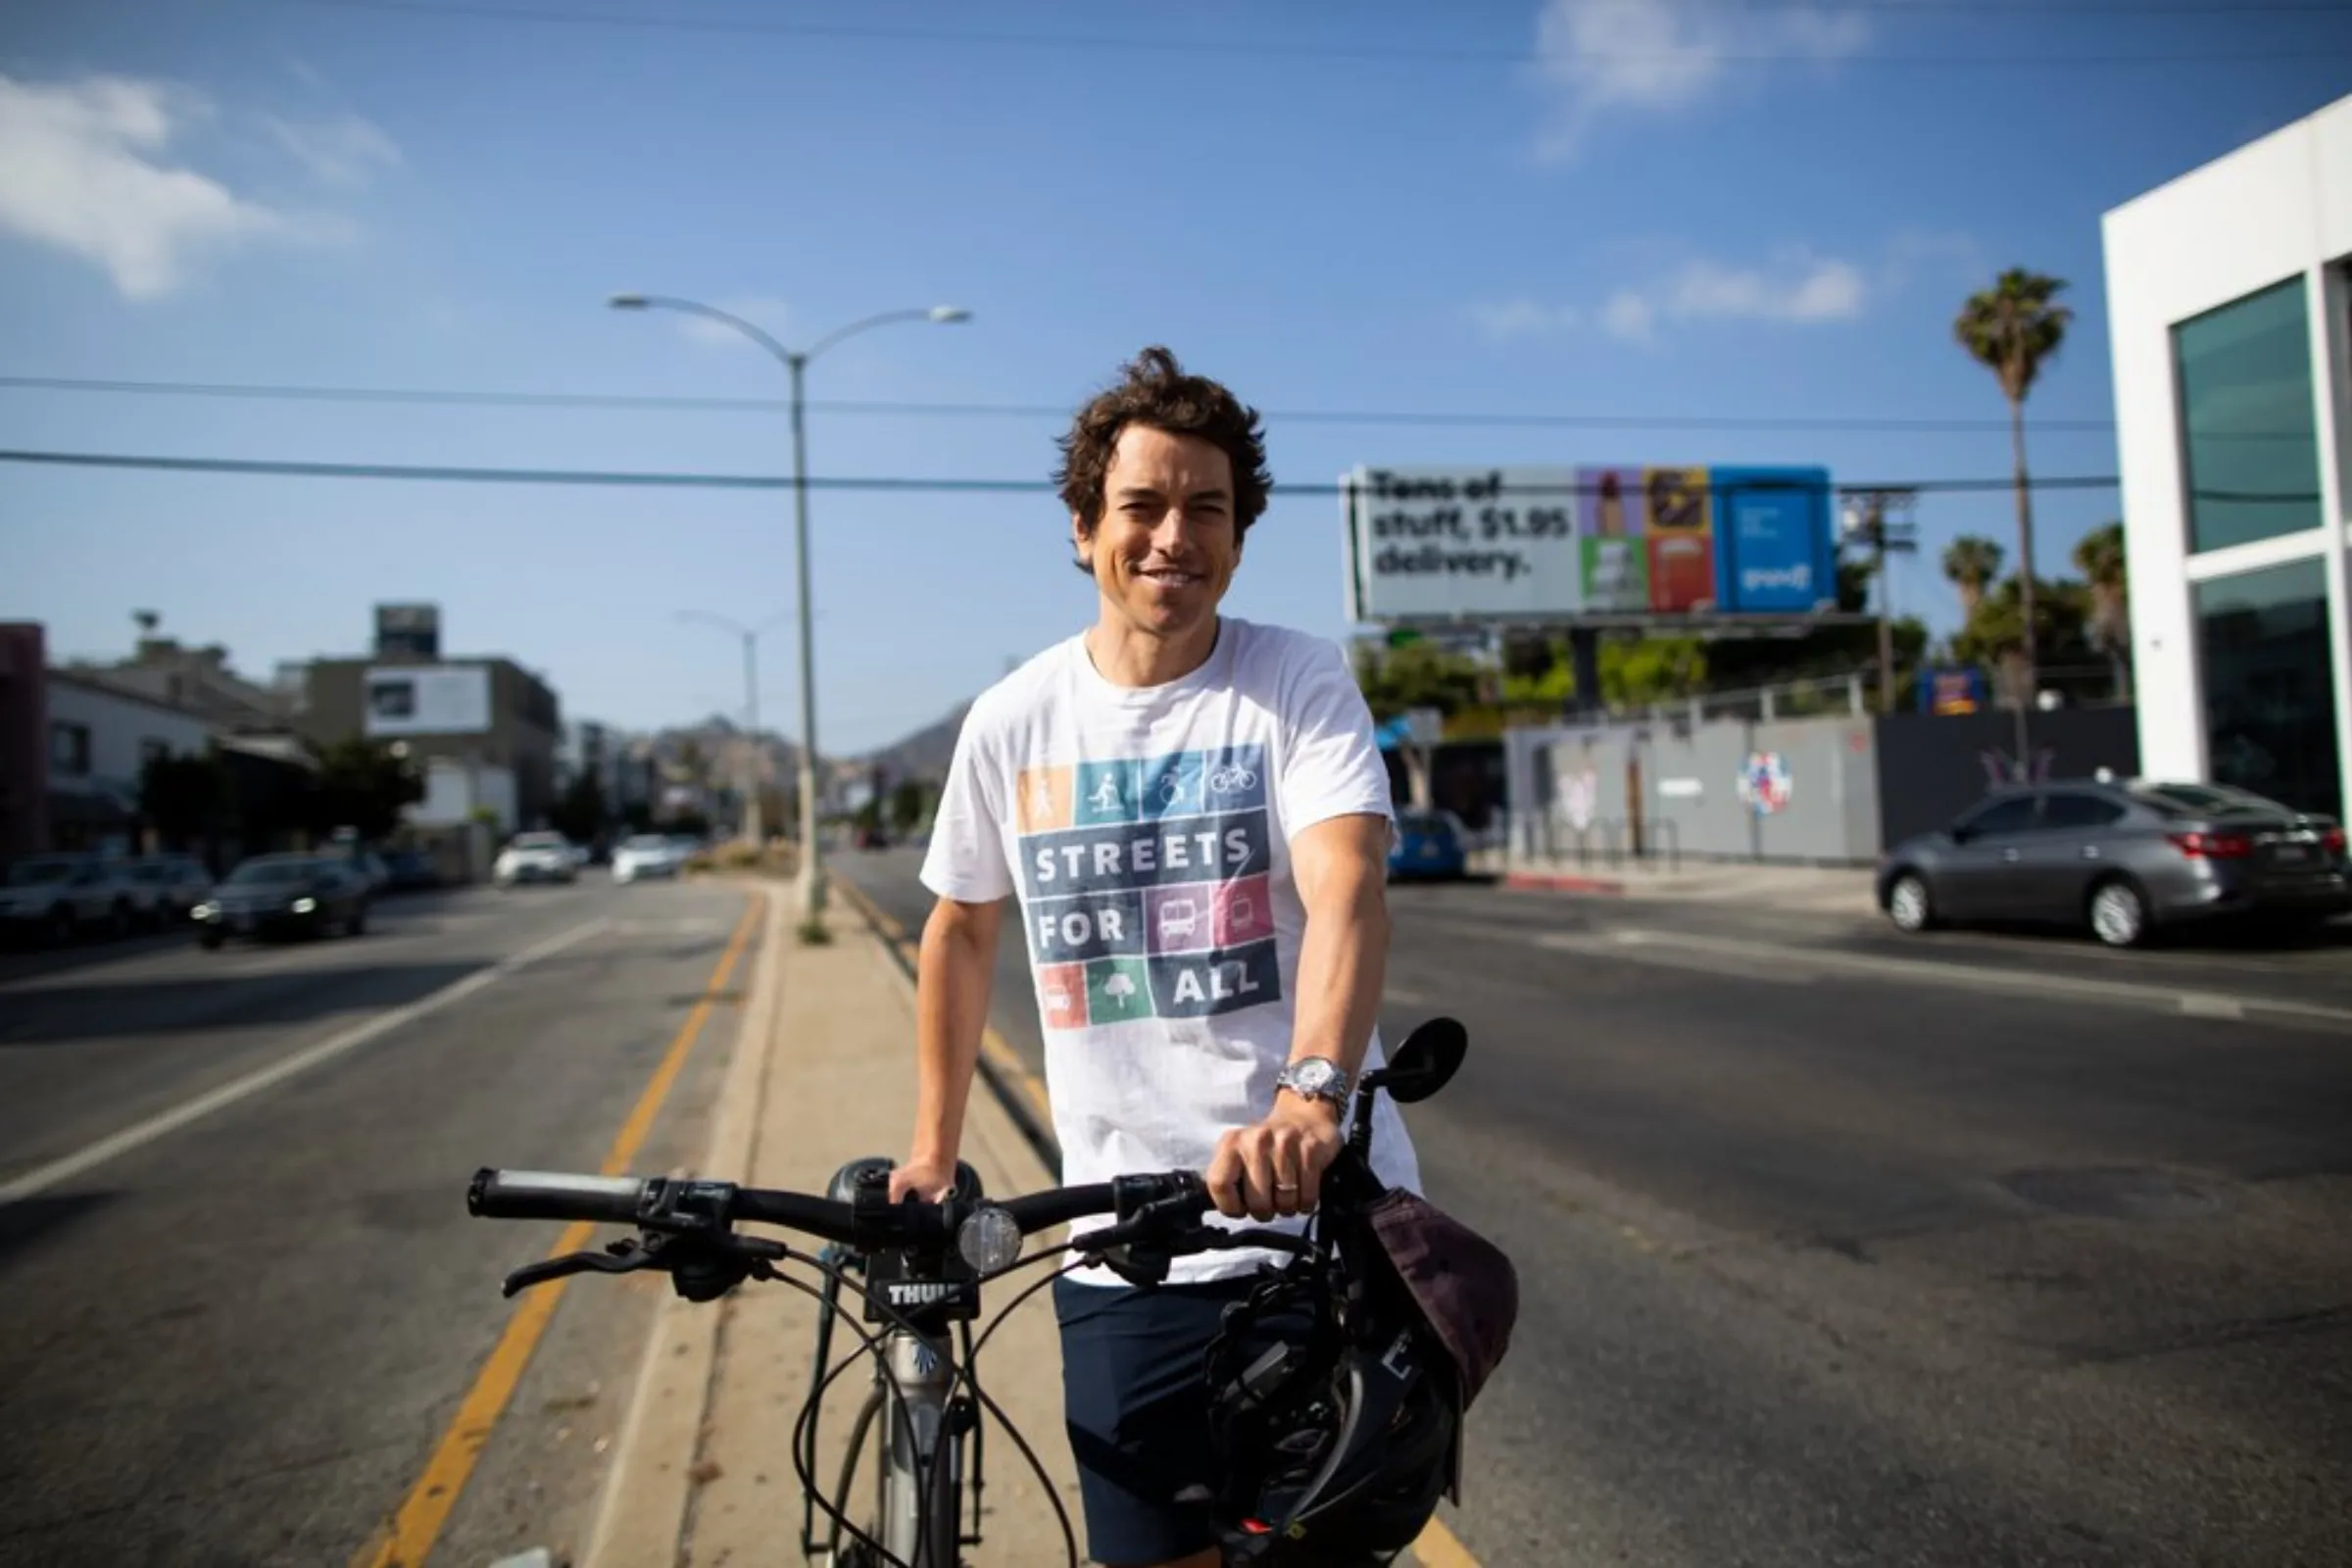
(409,1535)
(1435,1548)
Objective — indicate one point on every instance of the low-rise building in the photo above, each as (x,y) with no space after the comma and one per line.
(2229,303)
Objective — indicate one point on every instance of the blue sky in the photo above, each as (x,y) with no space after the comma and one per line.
(1654,209)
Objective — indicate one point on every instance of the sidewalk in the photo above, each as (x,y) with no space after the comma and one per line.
(702,1473)
(1818,889)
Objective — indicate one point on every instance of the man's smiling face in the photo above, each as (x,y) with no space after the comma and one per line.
(1165,549)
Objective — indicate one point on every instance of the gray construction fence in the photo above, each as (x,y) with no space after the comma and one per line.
(1829,789)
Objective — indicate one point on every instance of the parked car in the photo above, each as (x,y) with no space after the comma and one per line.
(1428,844)
(56,897)
(165,887)
(409,871)
(2126,859)
(285,895)
(535,857)
(647,855)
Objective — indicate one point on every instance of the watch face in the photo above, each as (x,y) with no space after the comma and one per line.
(1313,1076)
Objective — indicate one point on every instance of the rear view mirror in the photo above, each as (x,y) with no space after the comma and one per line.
(1425,1062)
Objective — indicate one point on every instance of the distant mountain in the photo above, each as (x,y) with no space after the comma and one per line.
(925,754)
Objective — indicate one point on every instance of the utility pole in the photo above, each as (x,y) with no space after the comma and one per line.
(1880,521)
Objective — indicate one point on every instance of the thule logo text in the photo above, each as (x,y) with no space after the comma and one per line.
(921,1292)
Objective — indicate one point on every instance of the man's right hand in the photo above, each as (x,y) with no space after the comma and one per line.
(930,1180)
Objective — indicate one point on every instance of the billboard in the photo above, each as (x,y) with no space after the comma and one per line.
(1622,541)
(1446,541)
(1775,549)
(425,700)
(407,631)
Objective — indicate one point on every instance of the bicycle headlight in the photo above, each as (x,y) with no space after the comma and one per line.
(989,1239)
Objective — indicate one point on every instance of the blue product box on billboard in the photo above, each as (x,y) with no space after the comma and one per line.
(1775,540)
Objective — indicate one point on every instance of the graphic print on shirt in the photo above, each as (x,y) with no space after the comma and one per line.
(1144,886)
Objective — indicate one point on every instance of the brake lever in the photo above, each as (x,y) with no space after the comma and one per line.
(701,1268)
(618,1258)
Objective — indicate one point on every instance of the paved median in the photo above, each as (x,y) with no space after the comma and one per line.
(703,1471)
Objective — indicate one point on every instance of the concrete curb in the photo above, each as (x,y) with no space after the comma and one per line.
(1558,882)
(650,1485)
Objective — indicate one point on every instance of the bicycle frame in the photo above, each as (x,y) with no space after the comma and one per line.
(918,1433)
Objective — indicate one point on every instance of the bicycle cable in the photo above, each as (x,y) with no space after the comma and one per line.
(965,1375)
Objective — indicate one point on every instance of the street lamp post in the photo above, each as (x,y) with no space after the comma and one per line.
(754,820)
(1869,524)
(796,361)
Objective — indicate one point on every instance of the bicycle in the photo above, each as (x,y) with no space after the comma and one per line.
(922,1266)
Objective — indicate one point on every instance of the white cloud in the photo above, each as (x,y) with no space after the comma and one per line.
(1656,56)
(1801,290)
(1797,289)
(1525,318)
(342,151)
(87,172)
(1630,316)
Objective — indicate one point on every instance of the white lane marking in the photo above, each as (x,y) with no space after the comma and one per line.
(1784,966)
(114,1145)
(1402,996)
(2200,1004)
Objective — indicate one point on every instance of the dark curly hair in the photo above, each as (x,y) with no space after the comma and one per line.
(1153,390)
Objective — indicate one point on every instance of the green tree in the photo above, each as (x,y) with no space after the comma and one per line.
(579,813)
(1637,671)
(1419,675)
(362,785)
(185,797)
(908,800)
(1994,635)
(2013,328)
(1973,564)
(2100,558)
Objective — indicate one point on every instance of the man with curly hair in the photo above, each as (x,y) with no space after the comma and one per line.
(1192,816)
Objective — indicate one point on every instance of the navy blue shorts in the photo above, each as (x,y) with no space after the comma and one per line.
(1137,1407)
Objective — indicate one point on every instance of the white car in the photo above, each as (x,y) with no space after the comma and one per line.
(535,857)
(644,855)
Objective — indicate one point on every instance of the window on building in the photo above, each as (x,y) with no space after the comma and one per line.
(2270,695)
(70,749)
(2248,439)
(152,750)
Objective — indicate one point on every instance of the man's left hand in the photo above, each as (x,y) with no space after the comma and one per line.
(1277,1166)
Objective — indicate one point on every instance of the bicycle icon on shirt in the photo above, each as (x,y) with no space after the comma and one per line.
(1232,779)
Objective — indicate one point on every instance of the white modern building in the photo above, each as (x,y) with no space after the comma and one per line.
(2230,298)
(100,739)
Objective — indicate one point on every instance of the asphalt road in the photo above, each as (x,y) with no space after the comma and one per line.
(1842,1248)
(238,1339)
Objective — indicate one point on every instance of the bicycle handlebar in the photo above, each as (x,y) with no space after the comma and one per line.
(689,1207)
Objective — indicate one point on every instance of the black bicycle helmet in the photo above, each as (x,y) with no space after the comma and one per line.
(1335,1407)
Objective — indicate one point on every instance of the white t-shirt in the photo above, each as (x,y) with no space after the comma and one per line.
(1146,833)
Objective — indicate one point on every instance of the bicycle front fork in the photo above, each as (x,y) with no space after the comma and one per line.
(922,1453)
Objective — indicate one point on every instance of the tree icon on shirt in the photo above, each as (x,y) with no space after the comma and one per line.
(1116,991)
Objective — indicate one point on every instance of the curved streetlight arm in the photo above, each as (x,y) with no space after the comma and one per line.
(934,313)
(667,302)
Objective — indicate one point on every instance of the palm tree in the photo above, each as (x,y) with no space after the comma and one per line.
(2011,329)
(2100,558)
(1972,562)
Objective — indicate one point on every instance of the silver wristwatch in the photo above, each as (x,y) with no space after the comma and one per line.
(1317,1078)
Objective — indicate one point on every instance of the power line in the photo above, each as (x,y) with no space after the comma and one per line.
(1418,54)
(967,410)
(759,481)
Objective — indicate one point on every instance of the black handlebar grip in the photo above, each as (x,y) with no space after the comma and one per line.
(555,1195)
